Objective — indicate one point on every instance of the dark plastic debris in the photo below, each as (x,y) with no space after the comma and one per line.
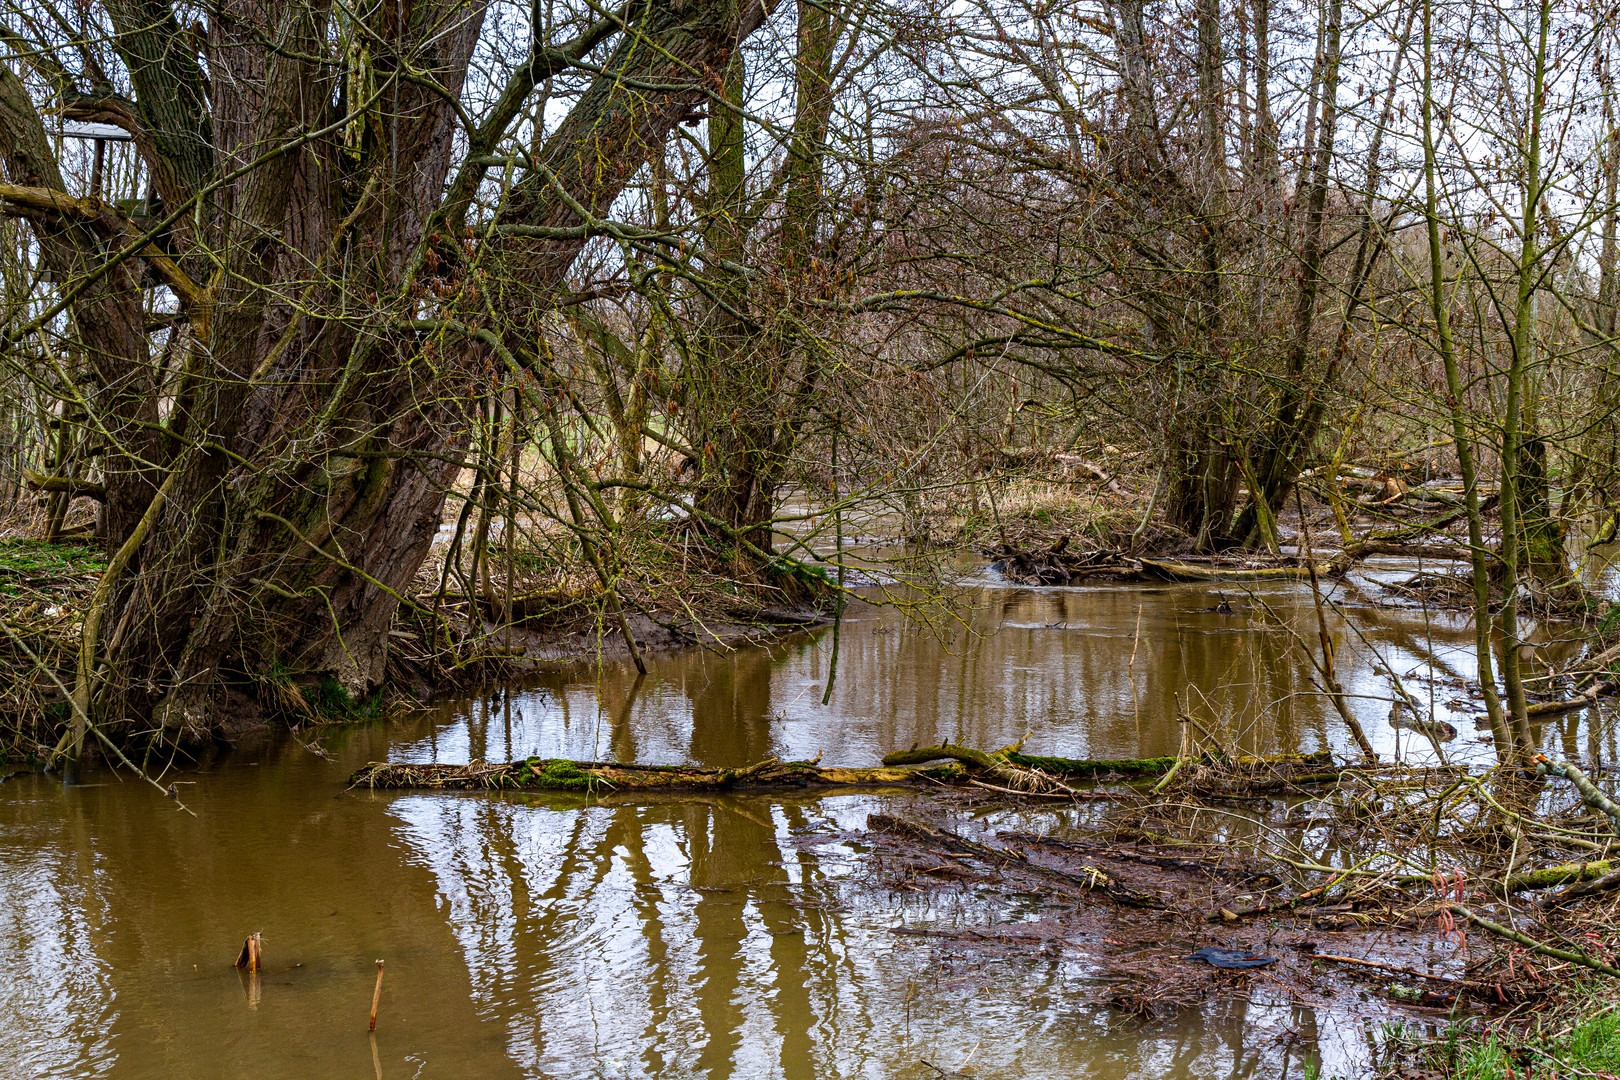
(1231,958)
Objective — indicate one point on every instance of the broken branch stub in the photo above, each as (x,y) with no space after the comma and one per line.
(250,956)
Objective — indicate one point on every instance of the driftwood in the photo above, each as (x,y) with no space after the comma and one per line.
(1058,564)
(1341,563)
(1603,689)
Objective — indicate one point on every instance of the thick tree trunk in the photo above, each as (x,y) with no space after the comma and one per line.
(318,419)
(1203,483)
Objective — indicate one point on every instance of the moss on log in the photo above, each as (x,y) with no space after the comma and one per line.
(602,778)
(1081,768)
(1550,876)
(929,764)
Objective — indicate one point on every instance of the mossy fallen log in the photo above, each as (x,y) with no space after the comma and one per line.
(602,778)
(929,764)
(1548,877)
(1607,883)
(1085,768)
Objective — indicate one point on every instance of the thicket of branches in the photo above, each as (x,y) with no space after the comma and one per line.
(587,281)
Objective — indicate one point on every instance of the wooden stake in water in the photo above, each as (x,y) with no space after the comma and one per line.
(376,996)
(252,952)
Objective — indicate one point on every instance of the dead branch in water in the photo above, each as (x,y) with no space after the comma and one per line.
(1019,774)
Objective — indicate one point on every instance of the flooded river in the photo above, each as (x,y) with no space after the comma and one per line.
(746,937)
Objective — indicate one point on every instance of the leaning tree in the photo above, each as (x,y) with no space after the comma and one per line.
(360,215)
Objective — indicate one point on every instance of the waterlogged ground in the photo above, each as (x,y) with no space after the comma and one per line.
(733,937)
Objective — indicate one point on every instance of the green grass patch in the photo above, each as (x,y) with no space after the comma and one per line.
(1580,1038)
(1608,625)
(332,703)
(40,565)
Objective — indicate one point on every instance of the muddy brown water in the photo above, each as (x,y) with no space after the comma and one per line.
(742,937)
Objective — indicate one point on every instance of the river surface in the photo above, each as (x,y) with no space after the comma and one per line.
(748,937)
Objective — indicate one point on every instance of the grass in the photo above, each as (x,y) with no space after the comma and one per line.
(1608,625)
(1581,1039)
(34,565)
(323,702)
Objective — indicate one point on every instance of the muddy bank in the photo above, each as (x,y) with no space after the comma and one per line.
(435,654)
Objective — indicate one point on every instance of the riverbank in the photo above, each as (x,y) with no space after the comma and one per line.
(536,917)
(446,639)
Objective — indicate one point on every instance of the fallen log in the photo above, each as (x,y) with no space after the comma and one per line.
(1024,773)
(1341,563)
(604,778)
(1607,883)
(1085,768)
(1547,877)
(1606,688)
(1170,570)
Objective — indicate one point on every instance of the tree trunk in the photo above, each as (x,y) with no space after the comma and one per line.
(318,418)
(1294,424)
(754,374)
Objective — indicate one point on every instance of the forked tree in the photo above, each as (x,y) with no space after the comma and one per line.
(359,227)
